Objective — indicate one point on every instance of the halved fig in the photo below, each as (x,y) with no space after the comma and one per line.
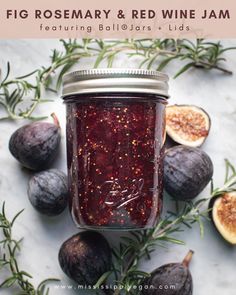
(187,124)
(223,213)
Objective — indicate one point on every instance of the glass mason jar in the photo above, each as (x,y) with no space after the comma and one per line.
(115,138)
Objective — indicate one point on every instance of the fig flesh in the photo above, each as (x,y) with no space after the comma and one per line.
(35,145)
(223,214)
(187,171)
(85,257)
(48,192)
(170,279)
(187,124)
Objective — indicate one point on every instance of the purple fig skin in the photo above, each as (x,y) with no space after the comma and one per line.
(217,221)
(85,257)
(35,145)
(48,192)
(174,277)
(206,114)
(170,279)
(187,171)
(210,207)
(169,143)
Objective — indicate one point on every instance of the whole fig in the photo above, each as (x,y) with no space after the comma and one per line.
(48,192)
(187,171)
(85,257)
(170,279)
(35,145)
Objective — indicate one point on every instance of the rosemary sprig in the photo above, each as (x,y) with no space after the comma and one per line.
(141,244)
(153,53)
(132,249)
(9,247)
(229,182)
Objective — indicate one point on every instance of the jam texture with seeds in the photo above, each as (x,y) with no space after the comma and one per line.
(115,160)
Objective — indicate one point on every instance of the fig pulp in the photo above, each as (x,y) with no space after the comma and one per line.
(187,171)
(187,124)
(48,192)
(85,257)
(170,279)
(223,214)
(115,160)
(35,145)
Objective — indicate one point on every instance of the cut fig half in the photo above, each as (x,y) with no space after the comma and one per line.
(187,124)
(224,215)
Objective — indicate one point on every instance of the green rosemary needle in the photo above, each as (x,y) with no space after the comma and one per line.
(126,258)
(141,244)
(152,53)
(9,247)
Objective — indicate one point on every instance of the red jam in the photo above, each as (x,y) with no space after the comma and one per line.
(115,159)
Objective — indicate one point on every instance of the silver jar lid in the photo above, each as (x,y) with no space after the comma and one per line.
(115,80)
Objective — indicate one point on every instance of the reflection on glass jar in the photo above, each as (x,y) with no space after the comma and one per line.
(115,148)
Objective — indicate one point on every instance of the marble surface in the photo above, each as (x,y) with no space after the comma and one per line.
(213,265)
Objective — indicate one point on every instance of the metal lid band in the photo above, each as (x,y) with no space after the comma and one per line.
(115,80)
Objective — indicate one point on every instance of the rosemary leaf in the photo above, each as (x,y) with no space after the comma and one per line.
(8,259)
(141,244)
(157,53)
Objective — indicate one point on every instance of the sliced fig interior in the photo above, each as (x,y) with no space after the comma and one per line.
(187,124)
(224,216)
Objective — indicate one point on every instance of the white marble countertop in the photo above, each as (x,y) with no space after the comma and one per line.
(213,265)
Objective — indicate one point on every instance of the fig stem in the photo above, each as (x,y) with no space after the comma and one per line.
(55,120)
(188,258)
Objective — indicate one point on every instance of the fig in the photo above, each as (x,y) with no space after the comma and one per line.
(187,171)
(48,192)
(170,279)
(223,213)
(187,124)
(169,143)
(85,257)
(35,145)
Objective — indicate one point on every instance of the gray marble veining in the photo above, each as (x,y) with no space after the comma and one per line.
(213,265)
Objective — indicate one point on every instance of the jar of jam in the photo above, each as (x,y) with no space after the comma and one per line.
(115,137)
